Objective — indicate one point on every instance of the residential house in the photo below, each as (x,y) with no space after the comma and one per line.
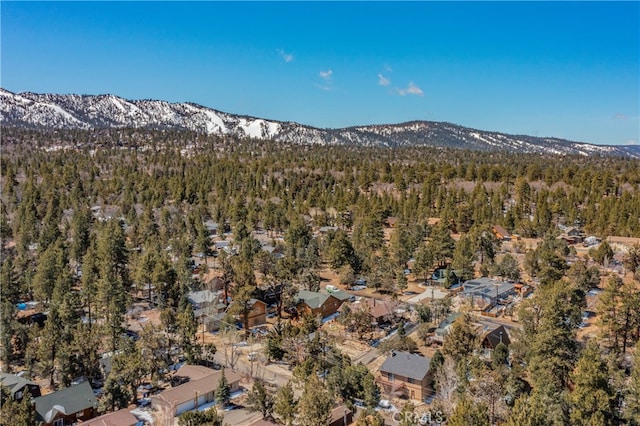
(195,392)
(202,299)
(382,311)
(492,334)
(30,316)
(17,385)
(117,418)
(342,296)
(439,276)
(575,232)
(258,313)
(66,406)
(207,308)
(573,236)
(406,374)
(214,322)
(106,363)
(501,233)
(224,245)
(270,294)
(212,228)
(485,292)
(276,251)
(317,303)
(444,327)
(215,284)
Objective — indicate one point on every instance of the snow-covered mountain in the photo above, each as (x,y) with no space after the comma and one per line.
(32,110)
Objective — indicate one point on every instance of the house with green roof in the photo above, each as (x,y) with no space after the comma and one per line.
(317,303)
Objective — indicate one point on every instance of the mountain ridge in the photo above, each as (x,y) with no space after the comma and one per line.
(34,110)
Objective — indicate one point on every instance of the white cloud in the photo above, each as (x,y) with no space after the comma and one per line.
(383,81)
(326,74)
(387,68)
(288,57)
(412,89)
(620,116)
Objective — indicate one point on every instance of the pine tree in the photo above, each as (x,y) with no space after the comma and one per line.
(314,407)
(467,413)
(286,405)
(442,245)
(500,355)
(424,262)
(209,417)
(530,411)
(260,400)
(370,391)
(632,394)
(16,413)
(552,341)
(592,398)
(463,258)
(461,340)
(223,391)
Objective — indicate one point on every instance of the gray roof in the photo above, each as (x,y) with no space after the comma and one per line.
(69,400)
(203,296)
(406,364)
(341,295)
(13,382)
(106,363)
(313,299)
(211,225)
(487,287)
(448,321)
(325,229)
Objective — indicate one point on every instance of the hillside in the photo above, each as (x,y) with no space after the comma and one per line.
(52,111)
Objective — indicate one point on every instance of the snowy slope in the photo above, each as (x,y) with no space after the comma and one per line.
(32,110)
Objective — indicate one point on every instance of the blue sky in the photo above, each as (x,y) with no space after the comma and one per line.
(569,70)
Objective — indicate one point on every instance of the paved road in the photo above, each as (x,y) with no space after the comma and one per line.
(508,324)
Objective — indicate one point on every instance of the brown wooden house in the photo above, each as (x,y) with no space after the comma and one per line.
(66,406)
(258,313)
(317,303)
(407,374)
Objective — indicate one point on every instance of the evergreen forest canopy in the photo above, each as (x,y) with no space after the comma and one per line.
(161,186)
(271,184)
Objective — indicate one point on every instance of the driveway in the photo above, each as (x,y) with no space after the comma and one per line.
(430,292)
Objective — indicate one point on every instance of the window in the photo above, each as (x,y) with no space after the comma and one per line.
(391,378)
(410,380)
(58,422)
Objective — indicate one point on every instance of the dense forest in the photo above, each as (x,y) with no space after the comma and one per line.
(92,219)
